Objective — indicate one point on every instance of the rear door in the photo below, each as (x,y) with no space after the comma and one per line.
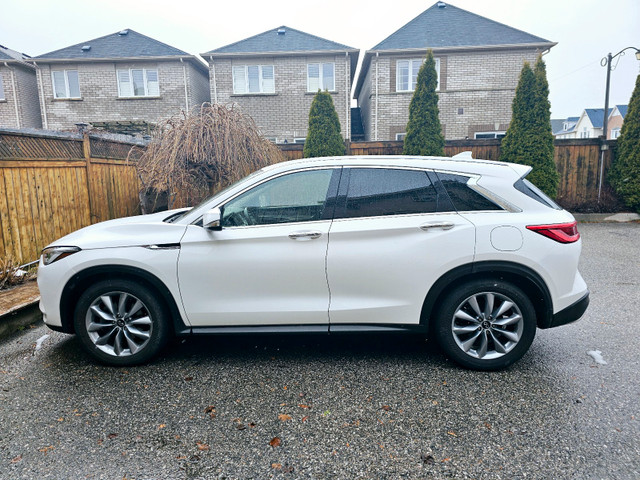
(393,235)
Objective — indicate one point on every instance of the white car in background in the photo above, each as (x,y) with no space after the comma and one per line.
(465,250)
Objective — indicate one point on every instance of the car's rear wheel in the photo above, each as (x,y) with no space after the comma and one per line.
(486,324)
(121,322)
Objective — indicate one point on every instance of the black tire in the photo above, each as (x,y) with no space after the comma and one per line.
(119,331)
(492,342)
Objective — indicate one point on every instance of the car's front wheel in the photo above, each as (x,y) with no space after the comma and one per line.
(486,324)
(121,322)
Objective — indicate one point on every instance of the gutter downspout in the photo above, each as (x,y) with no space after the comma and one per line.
(15,93)
(186,90)
(42,102)
(376,124)
(348,96)
(215,87)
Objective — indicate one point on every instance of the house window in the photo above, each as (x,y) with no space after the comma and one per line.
(400,136)
(584,133)
(299,140)
(65,84)
(615,133)
(407,74)
(321,76)
(1,89)
(489,135)
(253,79)
(138,82)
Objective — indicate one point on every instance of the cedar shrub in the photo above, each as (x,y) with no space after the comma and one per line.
(323,137)
(624,175)
(424,132)
(529,139)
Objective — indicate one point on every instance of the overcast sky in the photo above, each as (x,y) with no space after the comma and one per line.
(586,30)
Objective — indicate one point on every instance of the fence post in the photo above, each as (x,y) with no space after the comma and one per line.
(86,149)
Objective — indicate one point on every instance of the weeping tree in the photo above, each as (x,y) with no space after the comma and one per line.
(323,137)
(624,175)
(193,155)
(424,132)
(529,139)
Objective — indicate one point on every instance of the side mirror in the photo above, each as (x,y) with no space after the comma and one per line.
(212,219)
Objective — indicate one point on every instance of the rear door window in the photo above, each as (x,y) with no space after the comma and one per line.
(375,192)
(464,198)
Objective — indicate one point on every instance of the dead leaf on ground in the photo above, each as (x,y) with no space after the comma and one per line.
(305,418)
(276,466)
(304,406)
(16,459)
(203,447)
(46,449)
(162,425)
(252,424)
(386,408)
(283,417)
(453,434)
(111,436)
(188,379)
(275,442)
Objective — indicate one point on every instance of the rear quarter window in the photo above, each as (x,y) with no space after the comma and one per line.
(464,198)
(530,190)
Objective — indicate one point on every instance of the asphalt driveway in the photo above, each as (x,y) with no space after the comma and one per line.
(343,407)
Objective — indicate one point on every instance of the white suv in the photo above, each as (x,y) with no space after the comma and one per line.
(466,250)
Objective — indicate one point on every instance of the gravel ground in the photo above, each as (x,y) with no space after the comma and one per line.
(353,407)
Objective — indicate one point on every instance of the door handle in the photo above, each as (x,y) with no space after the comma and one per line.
(306,235)
(442,225)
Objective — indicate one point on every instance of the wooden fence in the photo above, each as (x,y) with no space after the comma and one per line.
(578,162)
(51,185)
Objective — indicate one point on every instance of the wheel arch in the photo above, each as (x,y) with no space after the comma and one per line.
(530,282)
(85,278)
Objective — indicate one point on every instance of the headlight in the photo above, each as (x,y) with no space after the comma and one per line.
(53,254)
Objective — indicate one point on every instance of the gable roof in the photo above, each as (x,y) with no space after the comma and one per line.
(281,40)
(596,116)
(622,109)
(444,25)
(557,124)
(9,55)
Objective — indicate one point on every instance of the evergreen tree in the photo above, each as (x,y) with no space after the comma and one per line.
(323,137)
(529,139)
(424,132)
(624,175)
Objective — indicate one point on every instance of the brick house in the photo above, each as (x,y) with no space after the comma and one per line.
(274,75)
(123,82)
(19,107)
(478,63)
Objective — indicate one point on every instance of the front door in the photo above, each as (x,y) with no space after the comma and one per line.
(267,264)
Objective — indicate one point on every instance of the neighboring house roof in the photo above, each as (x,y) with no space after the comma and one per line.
(557,124)
(622,109)
(8,55)
(125,44)
(596,116)
(284,41)
(446,27)
(559,130)
(281,40)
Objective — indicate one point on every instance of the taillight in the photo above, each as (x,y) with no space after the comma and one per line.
(561,232)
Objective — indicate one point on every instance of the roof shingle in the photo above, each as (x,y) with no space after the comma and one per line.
(115,45)
(280,40)
(443,25)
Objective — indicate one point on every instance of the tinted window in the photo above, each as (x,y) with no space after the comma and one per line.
(529,189)
(296,197)
(375,192)
(464,198)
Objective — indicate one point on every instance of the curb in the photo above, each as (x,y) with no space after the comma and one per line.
(606,217)
(19,319)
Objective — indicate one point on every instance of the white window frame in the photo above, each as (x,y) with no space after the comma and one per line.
(145,82)
(300,140)
(262,91)
(615,133)
(65,74)
(411,82)
(2,97)
(401,136)
(494,133)
(321,85)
